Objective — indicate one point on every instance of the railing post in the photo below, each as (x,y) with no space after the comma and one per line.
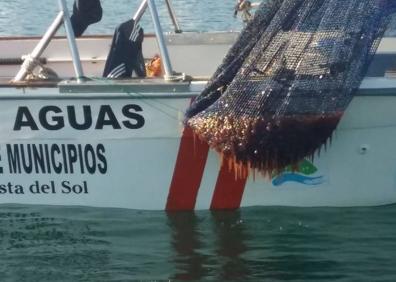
(140,12)
(39,49)
(71,39)
(64,17)
(169,75)
(172,15)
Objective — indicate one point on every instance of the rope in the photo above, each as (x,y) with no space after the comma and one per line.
(29,63)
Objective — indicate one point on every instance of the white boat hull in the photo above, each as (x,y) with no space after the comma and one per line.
(144,159)
(155,166)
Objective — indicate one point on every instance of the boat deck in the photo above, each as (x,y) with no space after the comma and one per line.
(6,82)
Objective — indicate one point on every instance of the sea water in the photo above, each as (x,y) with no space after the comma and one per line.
(26,17)
(254,244)
(39,243)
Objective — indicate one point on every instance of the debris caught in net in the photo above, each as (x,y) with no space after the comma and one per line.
(285,84)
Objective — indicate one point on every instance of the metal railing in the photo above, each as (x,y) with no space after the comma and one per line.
(31,60)
(143,6)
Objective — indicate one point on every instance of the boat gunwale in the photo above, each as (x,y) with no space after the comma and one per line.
(94,96)
(185,38)
(378,92)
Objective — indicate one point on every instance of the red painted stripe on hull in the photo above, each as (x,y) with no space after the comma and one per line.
(189,169)
(229,190)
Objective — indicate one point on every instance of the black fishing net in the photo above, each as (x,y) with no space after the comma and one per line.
(283,87)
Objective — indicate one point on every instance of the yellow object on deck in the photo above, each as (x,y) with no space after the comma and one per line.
(154,68)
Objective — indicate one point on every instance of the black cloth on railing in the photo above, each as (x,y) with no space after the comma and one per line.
(126,52)
(85,13)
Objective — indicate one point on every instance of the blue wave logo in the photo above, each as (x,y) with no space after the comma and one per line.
(303,175)
(299,178)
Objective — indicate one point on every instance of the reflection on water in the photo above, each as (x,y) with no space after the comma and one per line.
(259,244)
(187,241)
(225,240)
(230,245)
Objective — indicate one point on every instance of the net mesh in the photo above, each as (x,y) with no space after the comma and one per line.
(283,87)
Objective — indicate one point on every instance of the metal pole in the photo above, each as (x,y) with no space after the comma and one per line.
(160,40)
(41,46)
(139,13)
(172,15)
(71,39)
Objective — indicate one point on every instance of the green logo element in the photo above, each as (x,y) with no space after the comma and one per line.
(300,174)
